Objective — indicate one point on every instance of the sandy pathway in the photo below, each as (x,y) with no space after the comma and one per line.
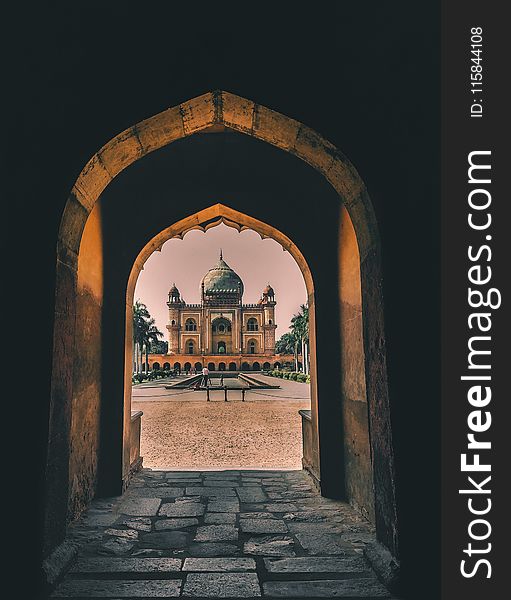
(185,431)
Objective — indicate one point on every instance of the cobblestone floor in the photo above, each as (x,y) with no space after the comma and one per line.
(221,534)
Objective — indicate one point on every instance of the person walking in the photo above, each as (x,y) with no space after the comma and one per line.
(205,377)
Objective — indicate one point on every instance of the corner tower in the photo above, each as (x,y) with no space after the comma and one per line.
(268,303)
(175,304)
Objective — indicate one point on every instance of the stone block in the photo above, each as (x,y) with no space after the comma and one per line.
(270,546)
(275,128)
(117,546)
(91,182)
(213,549)
(217,492)
(166,539)
(198,113)
(223,506)
(128,534)
(105,588)
(138,523)
(344,178)
(160,130)
(262,526)
(323,544)
(316,564)
(219,564)
(121,151)
(126,565)
(315,528)
(182,509)
(216,533)
(165,524)
(73,223)
(257,515)
(327,588)
(219,483)
(220,518)
(182,475)
(280,507)
(314,149)
(139,507)
(157,492)
(222,585)
(237,112)
(251,494)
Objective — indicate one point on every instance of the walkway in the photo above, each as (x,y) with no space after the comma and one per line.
(221,534)
(181,430)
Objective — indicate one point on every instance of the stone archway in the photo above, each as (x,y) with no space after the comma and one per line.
(72,467)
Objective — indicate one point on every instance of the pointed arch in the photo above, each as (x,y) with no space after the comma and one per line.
(78,262)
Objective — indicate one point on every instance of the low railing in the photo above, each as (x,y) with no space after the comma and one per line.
(135,430)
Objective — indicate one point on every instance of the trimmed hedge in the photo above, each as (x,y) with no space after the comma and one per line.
(151,376)
(292,375)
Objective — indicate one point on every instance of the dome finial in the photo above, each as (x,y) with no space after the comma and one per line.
(221,256)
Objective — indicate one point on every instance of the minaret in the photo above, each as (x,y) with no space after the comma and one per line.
(175,304)
(268,302)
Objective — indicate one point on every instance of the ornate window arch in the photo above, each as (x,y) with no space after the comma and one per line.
(252,324)
(190,325)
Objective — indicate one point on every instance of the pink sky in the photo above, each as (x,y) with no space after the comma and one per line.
(185,262)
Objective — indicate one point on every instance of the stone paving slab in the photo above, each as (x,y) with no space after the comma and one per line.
(182,509)
(326,588)
(270,546)
(129,534)
(104,588)
(251,494)
(315,528)
(182,475)
(99,519)
(316,564)
(217,492)
(167,524)
(138,523)
(262,526)
(223,506)
(280,507)
(158,492)
(219,483)
(117,546)
(220,518)
(222,585)
(166,539)
(323,544)
(216,533)
(219,564)
(213,549)
(139,507)
(204,533)
(126,565)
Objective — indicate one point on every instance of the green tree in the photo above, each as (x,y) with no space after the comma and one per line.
(300,330)
(145,333)
(286,344)
(159,347)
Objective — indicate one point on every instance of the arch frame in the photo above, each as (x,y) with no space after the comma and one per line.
(220,109)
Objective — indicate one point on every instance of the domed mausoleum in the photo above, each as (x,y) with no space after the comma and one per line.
(221,332)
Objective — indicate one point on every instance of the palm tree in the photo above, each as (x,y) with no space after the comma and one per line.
(300,330)
(152,334)
(144,332)
(140,314)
